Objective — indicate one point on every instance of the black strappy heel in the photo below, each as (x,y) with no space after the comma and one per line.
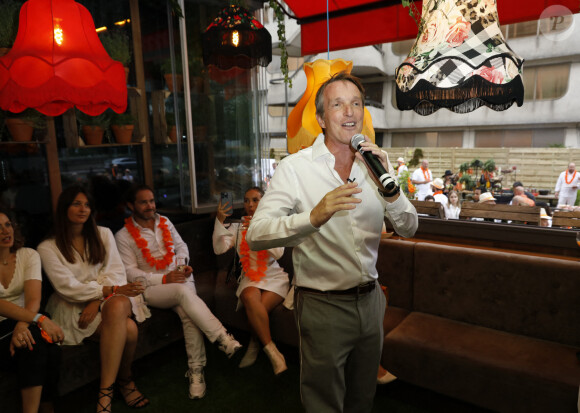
(135,403)
(105,392)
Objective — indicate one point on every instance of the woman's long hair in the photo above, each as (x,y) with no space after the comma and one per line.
(18,240)
(62,228)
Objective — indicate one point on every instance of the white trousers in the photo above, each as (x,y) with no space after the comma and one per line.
(195,316)
(567,199)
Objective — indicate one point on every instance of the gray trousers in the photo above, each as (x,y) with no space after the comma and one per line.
(341,340)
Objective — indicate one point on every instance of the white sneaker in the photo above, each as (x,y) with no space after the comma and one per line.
(196,383)
(228,344)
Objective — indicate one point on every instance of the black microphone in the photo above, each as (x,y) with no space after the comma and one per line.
(373,163)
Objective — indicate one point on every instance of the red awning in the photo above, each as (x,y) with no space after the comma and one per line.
(355,23)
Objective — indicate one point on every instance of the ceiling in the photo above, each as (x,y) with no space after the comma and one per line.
(355,23)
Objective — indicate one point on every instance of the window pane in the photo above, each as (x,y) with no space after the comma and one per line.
(488,139)
(402,140)
(529,83)
(517,139)
(523,29)
(426,140)
(552,81)
(543,138)
(451,139)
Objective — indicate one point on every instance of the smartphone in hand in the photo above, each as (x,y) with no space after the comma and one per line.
(227,197)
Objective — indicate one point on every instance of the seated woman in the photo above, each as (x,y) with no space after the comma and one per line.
(91,293)
(36,361)
(263,283)
(452,209)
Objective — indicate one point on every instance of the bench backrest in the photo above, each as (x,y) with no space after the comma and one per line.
(434,209)
(566,219)
(528,214)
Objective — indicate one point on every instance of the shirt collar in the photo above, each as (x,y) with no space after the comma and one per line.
(142,228)
(319,148)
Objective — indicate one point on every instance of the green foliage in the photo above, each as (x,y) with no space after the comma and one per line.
(468,181)
(489,165)
(34,117)
(103,120)
(404,180)
(117,45)
(279,15)
(9,11)
(556,145)
(464,167)
(125,118)
(416,159)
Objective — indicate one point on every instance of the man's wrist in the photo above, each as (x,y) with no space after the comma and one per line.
(391,194)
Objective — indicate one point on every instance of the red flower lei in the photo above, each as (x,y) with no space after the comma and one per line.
(261,257)
(142,244)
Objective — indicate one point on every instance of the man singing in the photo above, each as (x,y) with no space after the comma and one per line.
(324,202)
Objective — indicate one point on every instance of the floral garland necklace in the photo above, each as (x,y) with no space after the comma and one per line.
(167,259)
(438,192)
(426,174)
(254,274)
(571,179)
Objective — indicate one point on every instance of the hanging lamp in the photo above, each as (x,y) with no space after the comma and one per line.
(302,127)
(58,62)
(459,61)
(236,39)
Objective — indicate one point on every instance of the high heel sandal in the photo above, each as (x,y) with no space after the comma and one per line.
(105,392)
(127,391)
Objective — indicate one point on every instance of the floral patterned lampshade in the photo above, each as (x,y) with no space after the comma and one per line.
(460,61)
(58,62)
(236,39)
(303,128)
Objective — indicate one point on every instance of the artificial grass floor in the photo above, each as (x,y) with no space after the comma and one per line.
(161,377)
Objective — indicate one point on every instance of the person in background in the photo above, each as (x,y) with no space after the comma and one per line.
(438,195)
(528,194)
(453,208)
(92,298)
(318,196)
(422,178)
(476,194)
(263,284)
(402,167)
(28,338)
(520,198)
(449,181)
(151,248)
(567,186)
(486,198)
(545,219)
(429,198)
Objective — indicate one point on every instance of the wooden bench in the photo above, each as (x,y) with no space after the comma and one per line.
(514,213)
(566,219)
(433,209)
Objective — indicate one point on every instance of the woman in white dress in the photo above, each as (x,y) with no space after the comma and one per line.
(27,338)
(263,283)
(452,209)
(91,296)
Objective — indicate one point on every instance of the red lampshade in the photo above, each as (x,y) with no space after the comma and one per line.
(58,62)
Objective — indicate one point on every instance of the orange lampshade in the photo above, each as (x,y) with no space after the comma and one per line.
(58,62)
(303,128)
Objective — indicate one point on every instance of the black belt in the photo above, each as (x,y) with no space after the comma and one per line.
(358,290)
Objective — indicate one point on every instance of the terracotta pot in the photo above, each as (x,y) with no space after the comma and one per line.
(174,86)
(20,129)
(172,133)
(123,133)
(93,134)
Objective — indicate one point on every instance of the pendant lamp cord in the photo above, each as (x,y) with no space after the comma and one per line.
(327,32)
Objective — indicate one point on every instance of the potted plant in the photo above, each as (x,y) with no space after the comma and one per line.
(93,127)
(122,125)
(22,125)
(117,45)
(8,24)
(177,84)
(171,128)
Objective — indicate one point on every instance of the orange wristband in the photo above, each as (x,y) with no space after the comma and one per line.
(40,320)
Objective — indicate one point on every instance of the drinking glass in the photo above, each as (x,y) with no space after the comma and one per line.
(181,263)
(141,280)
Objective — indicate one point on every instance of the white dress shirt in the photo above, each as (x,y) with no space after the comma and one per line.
(342,253)
(135,263)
